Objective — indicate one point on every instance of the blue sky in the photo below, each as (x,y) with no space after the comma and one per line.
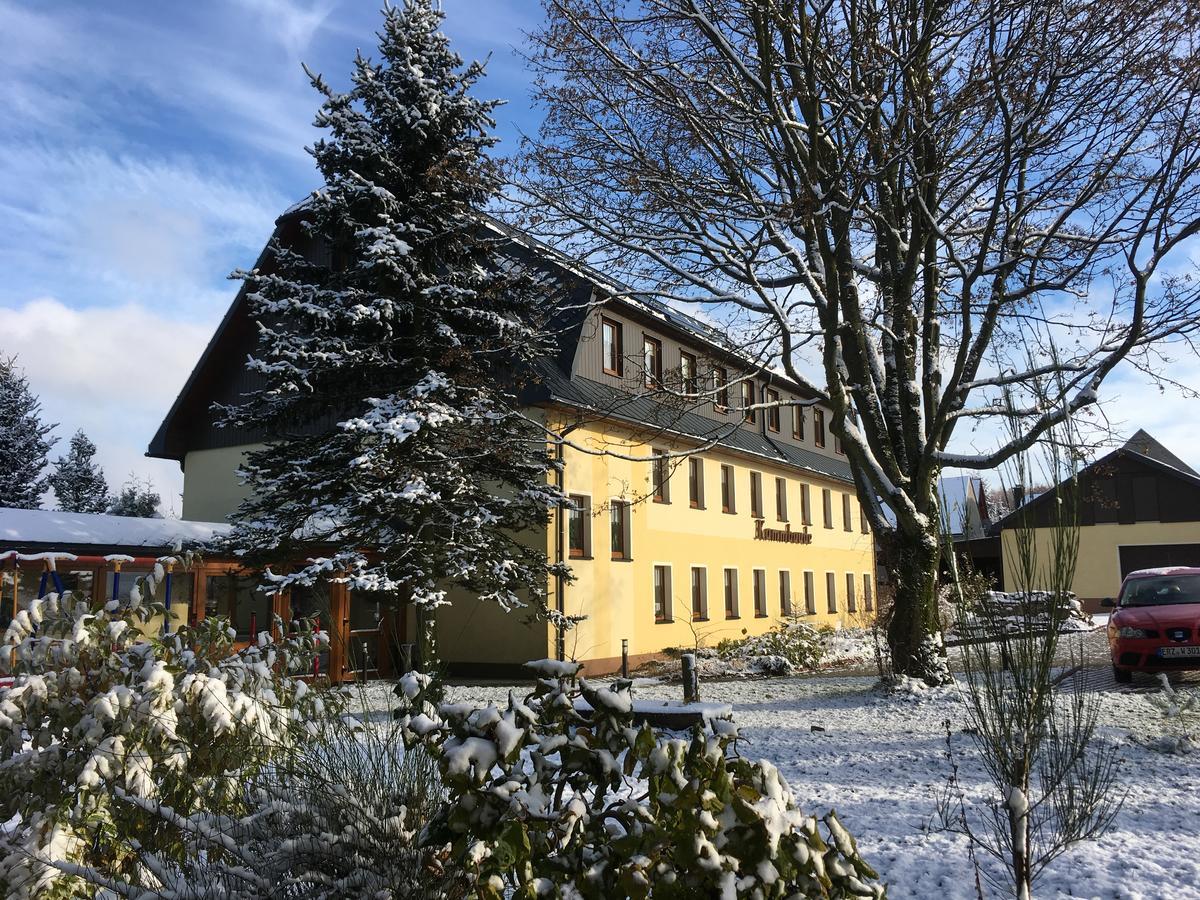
(147,149)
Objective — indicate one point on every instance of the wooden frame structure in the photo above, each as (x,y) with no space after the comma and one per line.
(379,658)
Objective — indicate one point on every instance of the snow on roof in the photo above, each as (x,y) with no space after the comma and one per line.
(22,527)
(1164,570)
(957,492)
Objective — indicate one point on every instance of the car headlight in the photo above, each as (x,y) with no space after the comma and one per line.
(1127,632)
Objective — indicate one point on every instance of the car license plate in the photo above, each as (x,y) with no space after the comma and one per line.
(1168,652)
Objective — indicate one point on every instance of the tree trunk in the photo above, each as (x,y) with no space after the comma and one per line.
(912,559)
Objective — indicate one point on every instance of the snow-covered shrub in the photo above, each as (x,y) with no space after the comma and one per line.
(102,721)
(789,647)
(1181,714)
(543,802)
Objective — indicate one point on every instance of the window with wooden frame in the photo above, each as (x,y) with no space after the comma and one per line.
(579,527)
(827,506)
(611,342)
(660,474)
(760,593)
(756,495)
(652,361)
(819,427)
(798,423)
(810,593)
(831,591)
(785,593)
(699,594)
(805,505)
(687,372)
(619,516)
(728,500)
(847,518)
(772,397)
(662,594)
(731,594)
(748,411)
(696,482)
(868,597)
(851,597)
(781,512)
(863,525)
(720,389)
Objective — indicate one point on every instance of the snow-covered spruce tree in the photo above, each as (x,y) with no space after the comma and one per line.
(137,499)
(919,188)
(23,440)
(389,376)
(78,483)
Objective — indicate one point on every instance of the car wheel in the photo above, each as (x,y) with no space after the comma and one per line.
(1122,676)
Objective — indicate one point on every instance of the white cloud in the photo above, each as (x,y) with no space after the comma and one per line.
(292,23)
(112,371)
(105,228)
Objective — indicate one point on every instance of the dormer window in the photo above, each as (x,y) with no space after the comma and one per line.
(748,401)
(773,411)
(687,372)
(652,361)
(721,389)
(610,331)
(819,427)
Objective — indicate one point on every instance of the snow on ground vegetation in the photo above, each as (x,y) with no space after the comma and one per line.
(880,760)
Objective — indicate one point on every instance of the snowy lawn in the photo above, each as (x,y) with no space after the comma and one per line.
(881,763)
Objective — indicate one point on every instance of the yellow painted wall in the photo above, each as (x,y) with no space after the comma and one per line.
(211,490)
(617,596)
(1098,570)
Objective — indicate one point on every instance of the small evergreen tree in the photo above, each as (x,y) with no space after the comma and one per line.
(413,341)
(137,499)
(78,483)
(23,440)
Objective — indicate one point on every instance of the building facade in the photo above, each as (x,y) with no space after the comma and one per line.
(1138,508)
(710,498)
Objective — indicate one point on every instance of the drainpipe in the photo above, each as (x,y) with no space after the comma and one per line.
(560,648)
(560,540)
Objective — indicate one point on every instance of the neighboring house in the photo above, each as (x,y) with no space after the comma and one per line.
(964,507)
(1139,508)
(762,523)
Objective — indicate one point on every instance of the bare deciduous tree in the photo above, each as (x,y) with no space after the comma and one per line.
(927,192)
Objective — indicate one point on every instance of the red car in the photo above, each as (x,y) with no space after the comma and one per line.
(1156,624)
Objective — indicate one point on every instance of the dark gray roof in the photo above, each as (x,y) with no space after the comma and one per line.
(1143,443)
(646,411)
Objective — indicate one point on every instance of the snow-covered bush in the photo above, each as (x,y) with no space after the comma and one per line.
(543,802)
(1181,714)
(103,722)
(788,648)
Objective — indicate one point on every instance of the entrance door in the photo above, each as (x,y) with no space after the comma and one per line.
(1156,556)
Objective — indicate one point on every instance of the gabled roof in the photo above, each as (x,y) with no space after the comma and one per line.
(1142,442)
(957,495)
(573,287)
(1141,439)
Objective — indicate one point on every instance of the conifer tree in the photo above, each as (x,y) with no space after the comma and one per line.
(23,440)
(137,500)
(389,376)
(78,483)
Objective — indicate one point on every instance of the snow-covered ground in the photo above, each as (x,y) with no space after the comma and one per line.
(880,761)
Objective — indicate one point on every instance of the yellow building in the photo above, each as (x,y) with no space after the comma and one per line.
(711,498)
(1138,508)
